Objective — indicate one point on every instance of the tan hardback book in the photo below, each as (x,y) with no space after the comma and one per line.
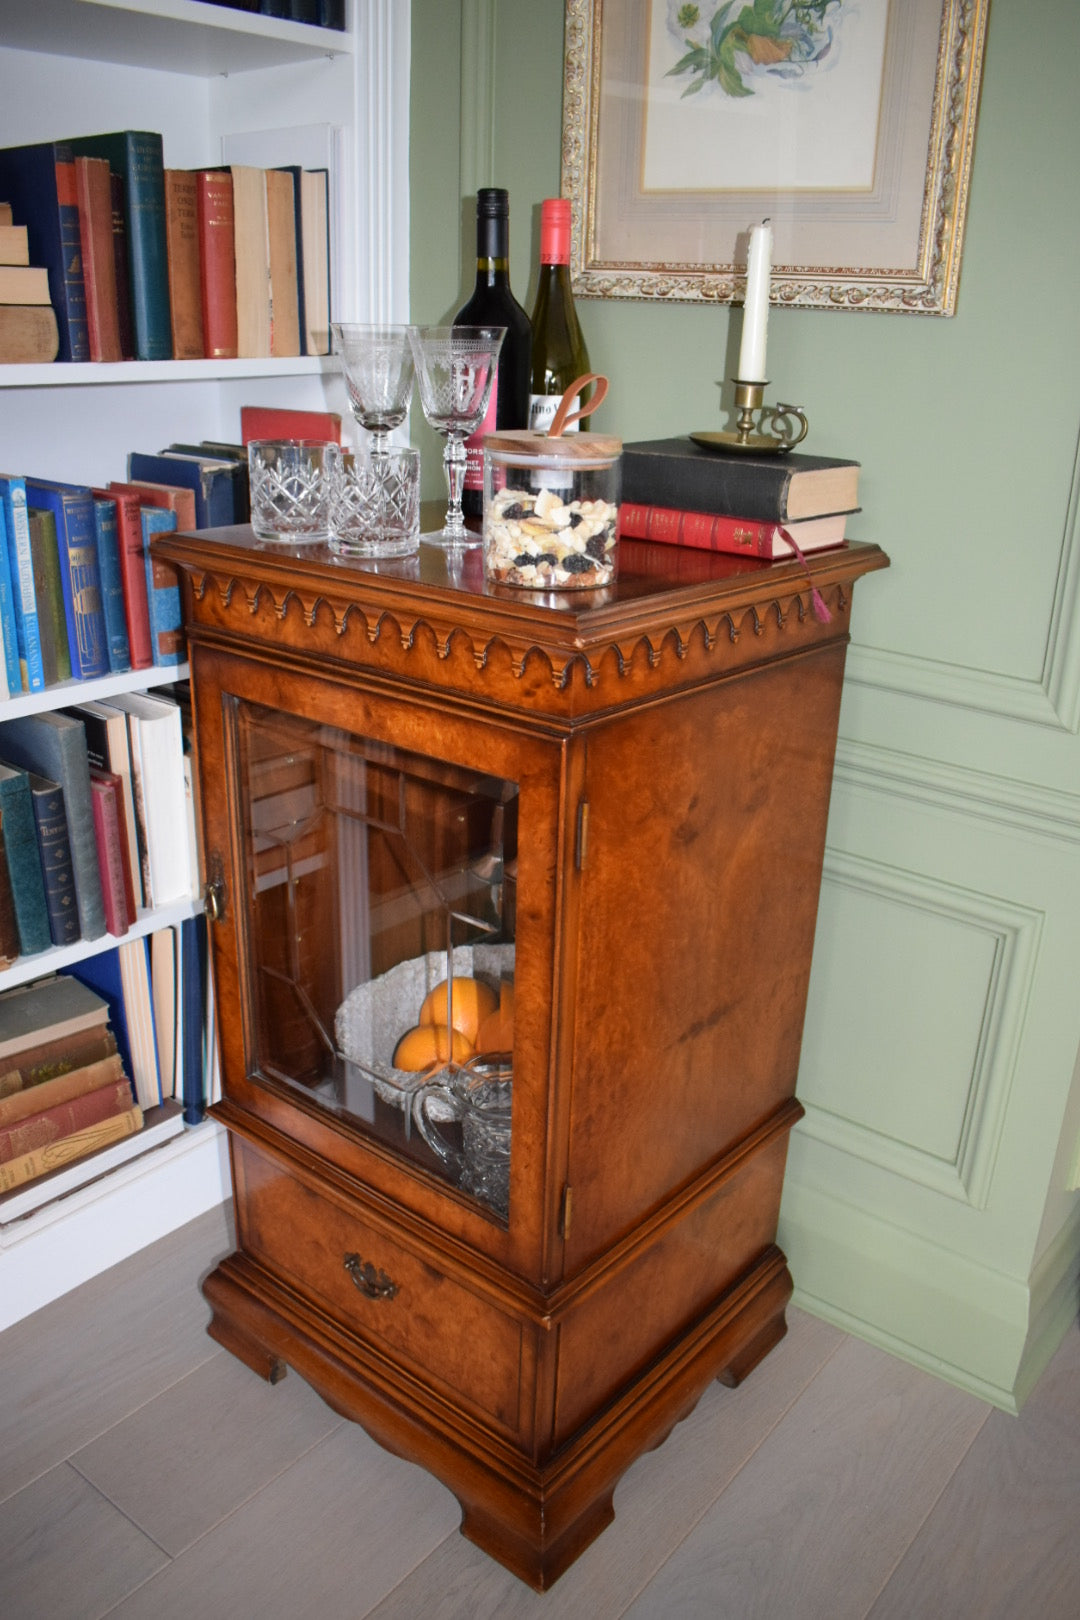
(28,1166)
(250,228)
(63,1088)
(14,247)
(182,240)
(23,284)
(281,235)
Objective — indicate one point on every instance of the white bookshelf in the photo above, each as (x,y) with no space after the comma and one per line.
(214,82)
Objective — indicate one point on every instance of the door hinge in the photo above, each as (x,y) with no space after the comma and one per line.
(581,838)
(566,1210)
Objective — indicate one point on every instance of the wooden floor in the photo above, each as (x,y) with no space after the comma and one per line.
(146,1473)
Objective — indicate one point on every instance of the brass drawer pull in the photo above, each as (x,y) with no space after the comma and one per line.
(372,1283)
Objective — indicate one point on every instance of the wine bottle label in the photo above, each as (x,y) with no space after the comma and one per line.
(542,408)
(474,444)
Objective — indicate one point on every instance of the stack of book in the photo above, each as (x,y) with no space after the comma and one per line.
(64,1089)
(28,329)
(97,820)
(767,506)
(148,263)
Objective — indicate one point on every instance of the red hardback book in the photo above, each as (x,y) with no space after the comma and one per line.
(276,422)
(117,885)
(171,496)
(742,537)
(217,262)
(133,573)
(93,188)
(63,1119)
(182,245)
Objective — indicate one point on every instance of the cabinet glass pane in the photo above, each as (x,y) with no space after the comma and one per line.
(380,931)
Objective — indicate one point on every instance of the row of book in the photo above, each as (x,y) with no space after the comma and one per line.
(97,820)
(137,261)
(111,1051)
(319,13)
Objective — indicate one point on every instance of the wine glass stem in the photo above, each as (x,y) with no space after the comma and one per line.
(454,463)
(380,444)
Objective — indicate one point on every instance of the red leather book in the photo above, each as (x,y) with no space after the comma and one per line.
(117,885)
(63,1119)
(742,537)
(133,573)
(217,262)
(93,188)
(277,422)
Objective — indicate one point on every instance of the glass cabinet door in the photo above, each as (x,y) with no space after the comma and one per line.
(379,888)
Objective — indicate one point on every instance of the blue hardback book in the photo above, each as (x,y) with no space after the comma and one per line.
(102,973)
(54,745)
(213,481)
(72,507)
(39,183)
(23,860)
(193,953)
(137,157)
(9,636)
(112,584)
(162,590)
(54,848)
(24,598)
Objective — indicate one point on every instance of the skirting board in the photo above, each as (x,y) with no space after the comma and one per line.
(977,1328)
(67,1242)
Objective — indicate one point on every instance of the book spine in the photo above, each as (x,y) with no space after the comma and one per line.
(147,247)
(133,571)
(162,593)
(182,239)
(94,193)
(121,270)
(10,663)
(49,595)
(106,534)
(22,567)
(217,262)
(54,849)
(29,1166)
(721,485)
(62,1088)
(9,925)
(703,531)
(63,1119)
(24,864)
(74,333)
(53,1059)
(192,969)
(80,580)
(110,859)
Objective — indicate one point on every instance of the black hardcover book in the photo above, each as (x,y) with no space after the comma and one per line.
(54,847)
(769,488)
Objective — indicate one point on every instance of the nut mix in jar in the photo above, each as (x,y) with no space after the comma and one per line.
(551,510)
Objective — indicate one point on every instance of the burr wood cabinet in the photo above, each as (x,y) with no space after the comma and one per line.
(607,809)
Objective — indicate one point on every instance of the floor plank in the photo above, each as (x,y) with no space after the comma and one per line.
(66,1554)
(326,1540)
(656,1502)
(1004,1540)
(818,1517)
(87,1360)
(188,1458)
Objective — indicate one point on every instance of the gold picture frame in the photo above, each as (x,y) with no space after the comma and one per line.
(860,157)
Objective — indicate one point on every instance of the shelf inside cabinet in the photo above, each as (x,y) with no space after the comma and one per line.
(182,36)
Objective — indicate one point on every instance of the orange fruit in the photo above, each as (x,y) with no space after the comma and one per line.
(496,1032)
(428,1044)
(472,1003)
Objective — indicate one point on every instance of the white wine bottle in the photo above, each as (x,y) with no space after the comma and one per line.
(559,354)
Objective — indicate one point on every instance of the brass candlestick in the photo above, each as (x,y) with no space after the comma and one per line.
(777,427)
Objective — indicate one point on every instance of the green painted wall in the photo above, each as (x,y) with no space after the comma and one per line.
(926,1203)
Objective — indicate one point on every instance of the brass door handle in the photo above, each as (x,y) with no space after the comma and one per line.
(214,899)
(372,1282)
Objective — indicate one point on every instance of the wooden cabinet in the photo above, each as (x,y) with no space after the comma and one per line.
(617,802)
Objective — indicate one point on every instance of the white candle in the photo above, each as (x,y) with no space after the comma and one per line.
(756,307)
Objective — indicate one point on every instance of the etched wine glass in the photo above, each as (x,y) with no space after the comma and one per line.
(455,370)
(377,363)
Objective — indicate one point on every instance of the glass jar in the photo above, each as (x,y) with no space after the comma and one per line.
(551,510)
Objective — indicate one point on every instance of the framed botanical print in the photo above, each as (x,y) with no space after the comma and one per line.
(849,124)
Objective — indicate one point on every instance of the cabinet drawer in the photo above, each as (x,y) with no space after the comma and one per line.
(379,1289)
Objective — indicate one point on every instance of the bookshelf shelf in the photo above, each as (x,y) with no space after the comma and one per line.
(185,36)
(105,686)
(137,372)
(25,968)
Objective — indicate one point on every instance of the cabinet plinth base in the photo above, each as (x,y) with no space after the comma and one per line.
(533,1516)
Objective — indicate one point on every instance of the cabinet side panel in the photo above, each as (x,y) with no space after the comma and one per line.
(706,837)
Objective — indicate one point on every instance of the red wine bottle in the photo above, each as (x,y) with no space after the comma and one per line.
(559,354)
(493,304)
